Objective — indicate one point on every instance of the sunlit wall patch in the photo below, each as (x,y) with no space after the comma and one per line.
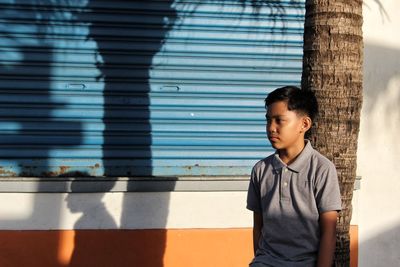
(15,209)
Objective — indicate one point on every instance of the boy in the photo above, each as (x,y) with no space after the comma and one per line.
(294,193)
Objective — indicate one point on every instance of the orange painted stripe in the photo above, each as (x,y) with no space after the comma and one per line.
(152,248)
(200,248)
(354,245)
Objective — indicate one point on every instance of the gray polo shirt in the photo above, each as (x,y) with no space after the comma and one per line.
(290,198)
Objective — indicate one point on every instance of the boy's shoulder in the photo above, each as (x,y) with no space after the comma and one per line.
(265,162)
(321,160)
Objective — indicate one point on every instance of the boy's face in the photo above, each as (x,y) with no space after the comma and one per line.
(285,128)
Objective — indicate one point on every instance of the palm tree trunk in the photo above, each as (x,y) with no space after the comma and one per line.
(332,67)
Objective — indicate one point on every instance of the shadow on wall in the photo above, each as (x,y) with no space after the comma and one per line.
(379,140)
(28,107)
(382,249)
(81,203)
(125,49)
(384,14)
(382,93)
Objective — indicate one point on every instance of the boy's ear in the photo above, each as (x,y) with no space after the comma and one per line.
(306,124)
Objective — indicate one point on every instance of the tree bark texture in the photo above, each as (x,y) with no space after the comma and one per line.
(332,67)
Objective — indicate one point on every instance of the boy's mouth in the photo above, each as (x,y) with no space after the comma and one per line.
(273,138)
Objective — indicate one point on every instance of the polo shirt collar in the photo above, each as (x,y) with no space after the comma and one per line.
(299,163)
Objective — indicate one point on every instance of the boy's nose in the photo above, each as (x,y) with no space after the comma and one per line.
(271,128)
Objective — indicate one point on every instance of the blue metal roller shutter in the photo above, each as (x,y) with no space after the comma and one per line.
(141,88)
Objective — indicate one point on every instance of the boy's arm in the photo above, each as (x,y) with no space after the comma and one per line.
(327,222)
(257,226)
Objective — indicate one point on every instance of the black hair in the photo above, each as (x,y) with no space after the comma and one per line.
(301,101)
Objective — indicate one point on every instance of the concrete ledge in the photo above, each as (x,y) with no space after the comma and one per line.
(121,184)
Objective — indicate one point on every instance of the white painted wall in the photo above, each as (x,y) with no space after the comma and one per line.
(379,141)
(124,210)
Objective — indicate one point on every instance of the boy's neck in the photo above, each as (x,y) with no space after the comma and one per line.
(289,155)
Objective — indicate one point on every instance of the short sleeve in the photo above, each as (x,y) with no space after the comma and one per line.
(327,192)
(253,193)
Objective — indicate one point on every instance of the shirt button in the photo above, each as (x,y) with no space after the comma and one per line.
(285,183)
(284,170)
